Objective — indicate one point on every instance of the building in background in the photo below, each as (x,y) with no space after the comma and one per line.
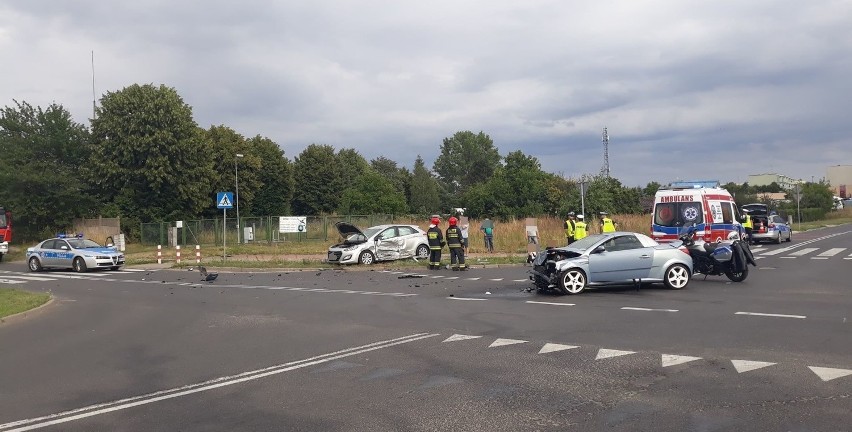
(840,179)
(767,179)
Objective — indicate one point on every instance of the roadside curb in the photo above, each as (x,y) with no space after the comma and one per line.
(23,315)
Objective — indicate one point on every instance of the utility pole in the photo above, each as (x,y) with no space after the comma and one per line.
(94,98)
(237,182)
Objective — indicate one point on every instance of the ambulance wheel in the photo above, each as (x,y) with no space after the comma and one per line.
(422,252)
(572,281)
(366,258)
(79,265)
(34,265)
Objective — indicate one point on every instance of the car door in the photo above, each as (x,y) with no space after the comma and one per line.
(48,253)
(624,258)
(388,244)
(781,225)
(409,241)
(65,255)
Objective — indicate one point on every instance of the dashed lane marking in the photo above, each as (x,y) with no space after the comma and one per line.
(452,278)
(771,315)
(553,347)
(648,309)
(504,342)
(31,278)
(520,280)
(11,281)
(550,303)
(496,280)
(472,279)
(460,337)
(466,298)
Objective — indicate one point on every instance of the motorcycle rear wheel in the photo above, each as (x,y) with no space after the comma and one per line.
(737,276)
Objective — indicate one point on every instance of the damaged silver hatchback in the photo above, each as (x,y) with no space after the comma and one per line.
(611,259)
(378,243)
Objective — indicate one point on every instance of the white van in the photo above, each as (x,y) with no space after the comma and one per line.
(711,209)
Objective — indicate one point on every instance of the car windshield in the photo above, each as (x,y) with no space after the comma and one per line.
(369,232)
(677,214)
(586,242)
(83,244)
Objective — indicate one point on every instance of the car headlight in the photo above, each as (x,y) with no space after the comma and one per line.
(351,248)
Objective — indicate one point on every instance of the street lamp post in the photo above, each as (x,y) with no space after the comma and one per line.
(237,199)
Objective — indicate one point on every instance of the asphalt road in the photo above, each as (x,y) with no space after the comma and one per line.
(387,350)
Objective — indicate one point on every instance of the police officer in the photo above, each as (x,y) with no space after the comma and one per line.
(454,242)
(607,225)
(579,228)
(748,226)
(569,228)
(436,243)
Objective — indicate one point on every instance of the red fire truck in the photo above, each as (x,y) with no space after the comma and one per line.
(5,231)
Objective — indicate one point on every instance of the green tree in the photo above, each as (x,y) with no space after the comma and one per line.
(424,197)
(149,159)
(319,185)
(372,193)
(276,177)
(400,177)
(466,159)
(44,152)
(651,189)
(350,165)
(226,144)
(814,195)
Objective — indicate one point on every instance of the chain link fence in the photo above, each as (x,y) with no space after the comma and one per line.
(258,229)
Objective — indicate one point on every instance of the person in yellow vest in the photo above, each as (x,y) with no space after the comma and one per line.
(569,228)
(607,225)
(579,228)
(748,226)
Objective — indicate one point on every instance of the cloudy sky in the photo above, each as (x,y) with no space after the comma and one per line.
(687,89)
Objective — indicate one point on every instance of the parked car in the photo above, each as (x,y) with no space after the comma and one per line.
(378,243)
(612,259)
(76,253)
(767,226)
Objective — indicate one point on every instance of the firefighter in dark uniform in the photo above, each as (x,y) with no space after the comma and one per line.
(454,242)
(436,243)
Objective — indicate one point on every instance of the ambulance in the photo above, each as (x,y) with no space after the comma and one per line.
(704,204)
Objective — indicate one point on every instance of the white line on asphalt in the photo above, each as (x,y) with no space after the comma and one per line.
(759,257)
(472,279)
(93,410)
(31,278)
(771,315)
(788,257)
(437,277)
(804,251)
(452,278)
(551,303)
(496,280)
(789,248)
(831,252)
(819,258)
(521,280)
(11,281)
(466,298)
(647,309)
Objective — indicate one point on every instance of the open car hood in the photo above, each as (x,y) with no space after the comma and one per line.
(346,229)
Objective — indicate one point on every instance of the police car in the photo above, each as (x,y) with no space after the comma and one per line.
(76,253)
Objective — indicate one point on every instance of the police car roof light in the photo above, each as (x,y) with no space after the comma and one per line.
(61,235)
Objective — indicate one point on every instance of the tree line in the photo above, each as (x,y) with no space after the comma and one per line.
(144,158)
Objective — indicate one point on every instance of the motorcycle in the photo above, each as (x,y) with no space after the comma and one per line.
(730,257)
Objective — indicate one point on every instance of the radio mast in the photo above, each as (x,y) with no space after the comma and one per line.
(605,141)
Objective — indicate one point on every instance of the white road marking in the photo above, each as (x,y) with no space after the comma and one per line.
(759,257)
(496,280)
(828,374)
(748,365)
(832,252)
(550,303)
(648,310)
(452,278)
(504,342)
(795,246)
(804,251)
(771,315)
(789,257)
(437,277)
(11,281)
(93,410)
(608,353)
(472,279)
(466,298)
(460,337)
(520,280)
(31,278)
(672,359)
(134,270)
(552,347)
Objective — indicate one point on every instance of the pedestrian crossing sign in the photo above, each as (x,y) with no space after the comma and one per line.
(224,200)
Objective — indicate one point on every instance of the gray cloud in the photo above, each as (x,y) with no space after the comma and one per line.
(714,89)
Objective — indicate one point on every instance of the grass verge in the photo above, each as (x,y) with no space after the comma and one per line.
(13,301)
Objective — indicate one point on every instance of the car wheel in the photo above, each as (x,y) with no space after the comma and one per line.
(34,264)
(79,265)
(572,281)
(790,236)
(114,268)
(677,277)
(778,238)
(423,252)
(366,258)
